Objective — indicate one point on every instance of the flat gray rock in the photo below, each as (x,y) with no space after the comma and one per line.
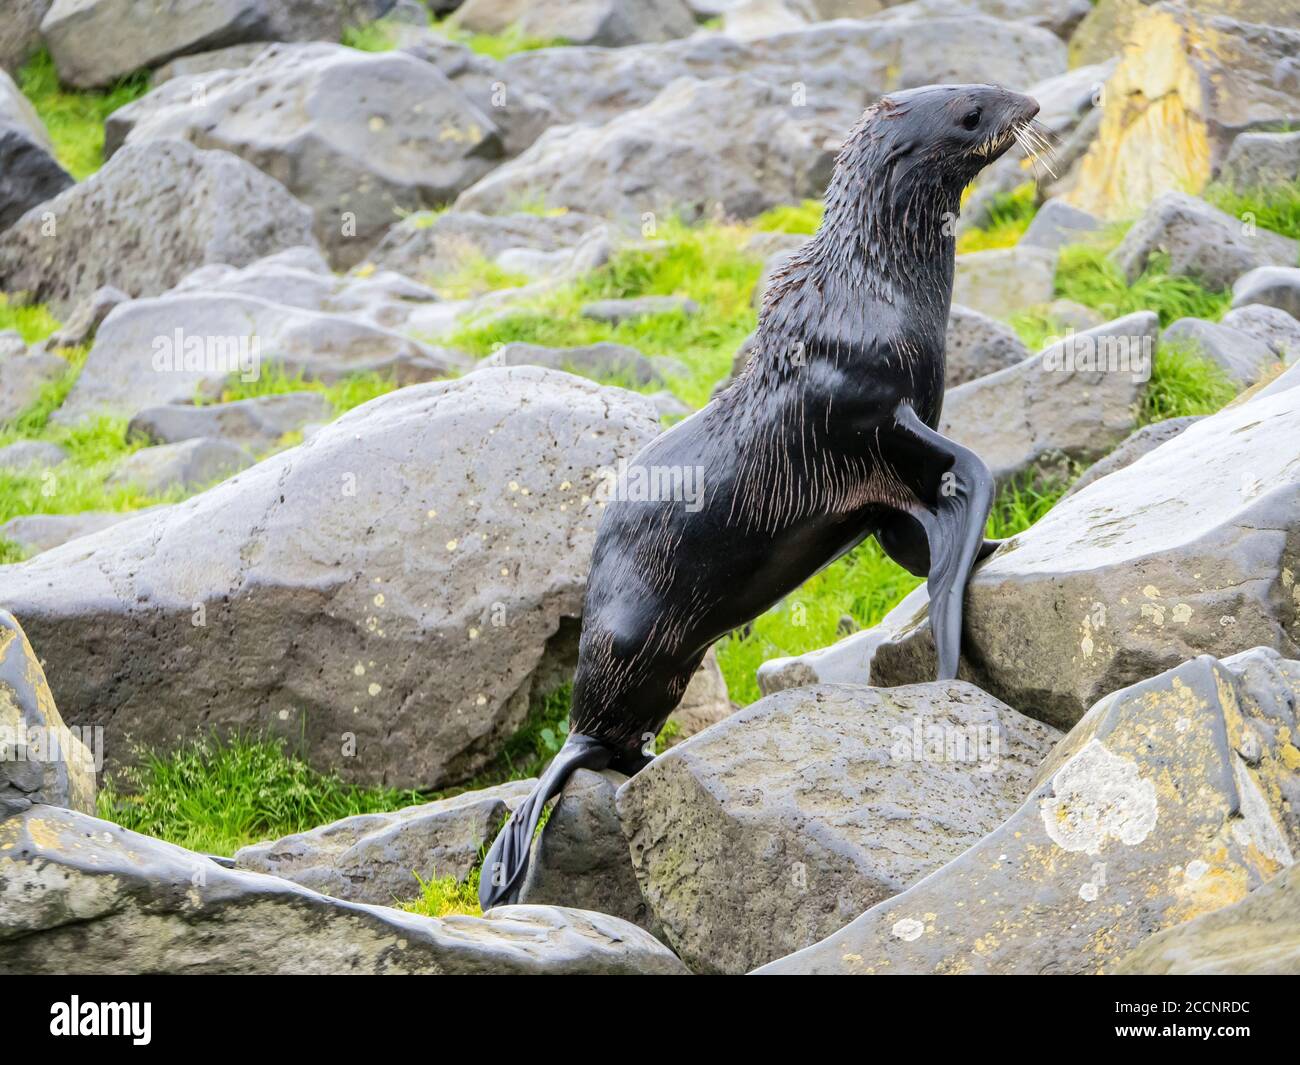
(1273,286)
(121,903)
(360,137)
(189,465)
(1172,798)
(779,825)
(398,581)
(254,424)
(1076,400)
(1201,241)
(376,858)
(217,207)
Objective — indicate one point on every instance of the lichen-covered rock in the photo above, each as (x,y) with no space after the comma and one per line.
(1190,79)
(1201,242)
(360,137)
(85,896)
(581,859)
(385,593)
(1172,798)
(376,858)
(108,230)
(1258,936)
(1073,401)
(778,825)
(41,760)
(1193,549)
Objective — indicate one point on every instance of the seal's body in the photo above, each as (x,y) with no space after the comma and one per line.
(827,437)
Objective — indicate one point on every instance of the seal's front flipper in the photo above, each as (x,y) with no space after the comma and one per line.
(503,868)
(953,511)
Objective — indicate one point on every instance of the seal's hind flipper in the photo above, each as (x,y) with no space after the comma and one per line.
(953,514)
(503,868)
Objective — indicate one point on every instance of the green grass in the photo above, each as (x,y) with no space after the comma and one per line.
(1183,382)
(1276,207)
(33,320)
(1087,275)
(1009,217)
(216,796)
(370,37)
(378,37)
(801,218)
(343,395)
(75,119)
(445,896)
(703,263)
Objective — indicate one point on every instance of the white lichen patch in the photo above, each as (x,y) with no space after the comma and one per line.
(908,929)
(1099,796)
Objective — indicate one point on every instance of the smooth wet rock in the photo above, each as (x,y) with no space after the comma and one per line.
(1243,357)
(1139,443)
(107,229)
(1258,936)
(184,344)
(1074,401)
(672,156)
(1192,76)
(778,825)
(1201,242)
(360,137)
(1172,798)
(1273,286)
(1274,327)
(41,760)
(1001,281)
(188,464)
(252,424)
(1192,549)
(604,22)
(581,858)
(120,903)
(386,593)
(376,858)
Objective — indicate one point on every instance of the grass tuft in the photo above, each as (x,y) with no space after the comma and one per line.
(1008,217)
(1275,207)
(1183,382)
(1087,275)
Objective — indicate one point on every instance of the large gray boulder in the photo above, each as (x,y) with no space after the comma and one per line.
(1193,549)
(671,156)
(1261,161)
(1201,241)
(835,68)
(376,858)
(1172,798)
(154,213)
(385,593)
(176,346)
(976,344)
(1074,401)
(96,42)
(428,246)
(1258,936)
(1002,281)
(607,22)
(360,137)
(83,895)
(777,826)
(41,760)
(29,173)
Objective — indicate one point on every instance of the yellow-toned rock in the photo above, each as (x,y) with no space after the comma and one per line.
(1188,82)
(1171,799)
(41,759)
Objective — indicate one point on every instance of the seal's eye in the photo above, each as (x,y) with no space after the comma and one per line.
(972,119)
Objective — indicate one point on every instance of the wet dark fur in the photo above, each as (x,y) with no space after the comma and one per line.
(804,456)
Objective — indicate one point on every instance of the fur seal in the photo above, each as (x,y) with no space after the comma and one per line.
(826,438)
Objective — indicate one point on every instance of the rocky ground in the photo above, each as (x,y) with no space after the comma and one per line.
(321,327)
